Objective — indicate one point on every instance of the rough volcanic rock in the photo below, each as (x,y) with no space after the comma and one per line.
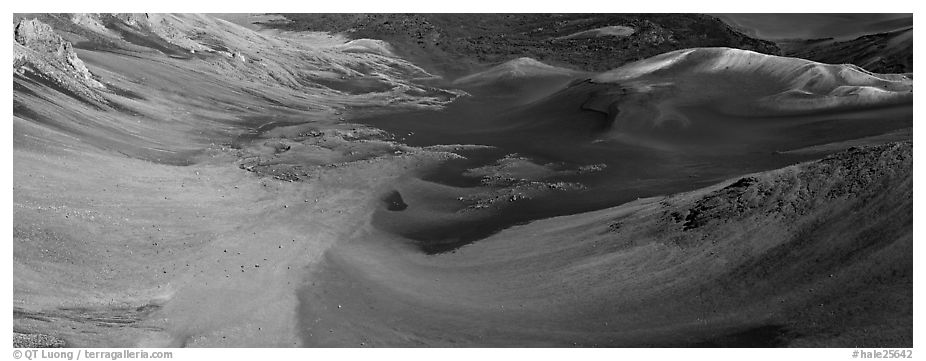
(42,55)
(41,38)
(36,340)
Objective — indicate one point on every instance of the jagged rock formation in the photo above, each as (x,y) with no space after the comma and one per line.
(41,38)
(40,53)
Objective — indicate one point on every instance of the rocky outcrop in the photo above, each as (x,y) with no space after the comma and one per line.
(40,37)
(42,55)
(167,27)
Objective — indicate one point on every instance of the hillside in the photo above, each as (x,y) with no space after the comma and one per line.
(890,52)
(456,44)
(815,254)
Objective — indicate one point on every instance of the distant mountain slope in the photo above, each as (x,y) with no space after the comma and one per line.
(523,78)
(783,26)
(456,44)
(691,111)
(517,69)
(890,52)
(712,91)
(753,84)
